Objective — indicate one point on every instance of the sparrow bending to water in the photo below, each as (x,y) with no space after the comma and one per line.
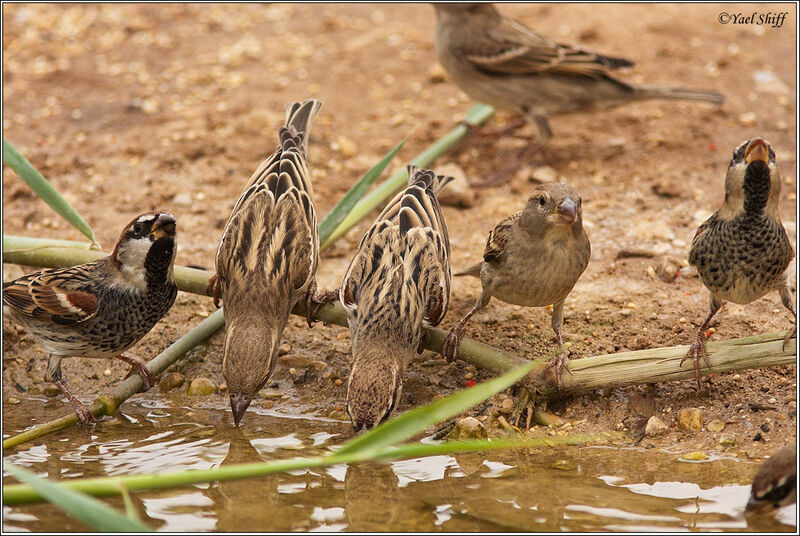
(267,259)
(498,61)
(398,283)
(101,308)
(532,258)
(742,251)
(775,483)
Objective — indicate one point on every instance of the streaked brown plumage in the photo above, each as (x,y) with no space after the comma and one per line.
(267,259)
(532,258)
(742,251)
(775,483)
(397,283)
(102,308)
(498,61)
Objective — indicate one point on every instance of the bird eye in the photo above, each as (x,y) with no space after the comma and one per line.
(542,200)
(138,229)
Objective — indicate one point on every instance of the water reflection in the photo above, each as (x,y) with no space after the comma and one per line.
(564,489)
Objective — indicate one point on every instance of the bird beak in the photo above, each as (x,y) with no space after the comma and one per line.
(757,150)
(164,227)
(239,403)
(566,211)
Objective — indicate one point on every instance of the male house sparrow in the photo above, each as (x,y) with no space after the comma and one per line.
(742,251)
(775,482)
(498,61)
(397,283)
(267,259)
(102,308)
(532,258)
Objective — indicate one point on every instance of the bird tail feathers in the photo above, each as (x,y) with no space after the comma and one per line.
(674,93)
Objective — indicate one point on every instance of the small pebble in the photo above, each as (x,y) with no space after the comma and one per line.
(337,382)
(727,440)
(12,400)
(694,456)
(682,320)
(507,406)
(201,387)
(715,426)
(52,390)
(284,348)
(223,387)
(655,426)
(171,381)
(690,419)
(468,428)
(107,373)
(737,377)
(772,400)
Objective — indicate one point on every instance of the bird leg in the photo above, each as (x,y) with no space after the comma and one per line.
(488,135)
(315,301)
(54,373)
(137,366)
(698,347)
(786,299)
(450,346)
(560,362)
(214,288)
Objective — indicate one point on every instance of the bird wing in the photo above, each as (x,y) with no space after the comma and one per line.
(513,49)
(404,256)
(65,296)
(272,230)
(498,238)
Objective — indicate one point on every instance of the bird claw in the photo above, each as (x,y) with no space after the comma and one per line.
(137,367)
(557,365)
(450,346)
(791,333)
(213,289)
(696,350)
(84,414)
(315,301)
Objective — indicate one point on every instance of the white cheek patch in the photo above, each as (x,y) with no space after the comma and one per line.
(131,256)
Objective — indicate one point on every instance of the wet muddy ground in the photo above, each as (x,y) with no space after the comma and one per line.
(132,108)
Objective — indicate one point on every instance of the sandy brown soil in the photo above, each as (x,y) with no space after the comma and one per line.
(133,108)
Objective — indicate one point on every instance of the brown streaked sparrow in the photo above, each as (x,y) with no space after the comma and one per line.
(398,282)
(102,308)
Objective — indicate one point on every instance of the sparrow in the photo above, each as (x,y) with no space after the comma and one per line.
(101,308)
(775,482)
(742,251)
(498,61)
(532,258)
(397,284)
(267,259)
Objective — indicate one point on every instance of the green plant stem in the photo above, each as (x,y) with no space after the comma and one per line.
(36,182)
(477,115)
(17,494)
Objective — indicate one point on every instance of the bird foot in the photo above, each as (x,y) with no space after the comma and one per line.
(450,346)
(84,414)
(791,333)
(138,367)
(489,135)
(213,289)
(557,365)
(696,350)
(315,301)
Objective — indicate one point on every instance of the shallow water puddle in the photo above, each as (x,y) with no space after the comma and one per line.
(559,489)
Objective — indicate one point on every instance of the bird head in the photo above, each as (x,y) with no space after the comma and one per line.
(753,181)
(553,206)
(249,358)
(456,11)
(373,389)
(146,248)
